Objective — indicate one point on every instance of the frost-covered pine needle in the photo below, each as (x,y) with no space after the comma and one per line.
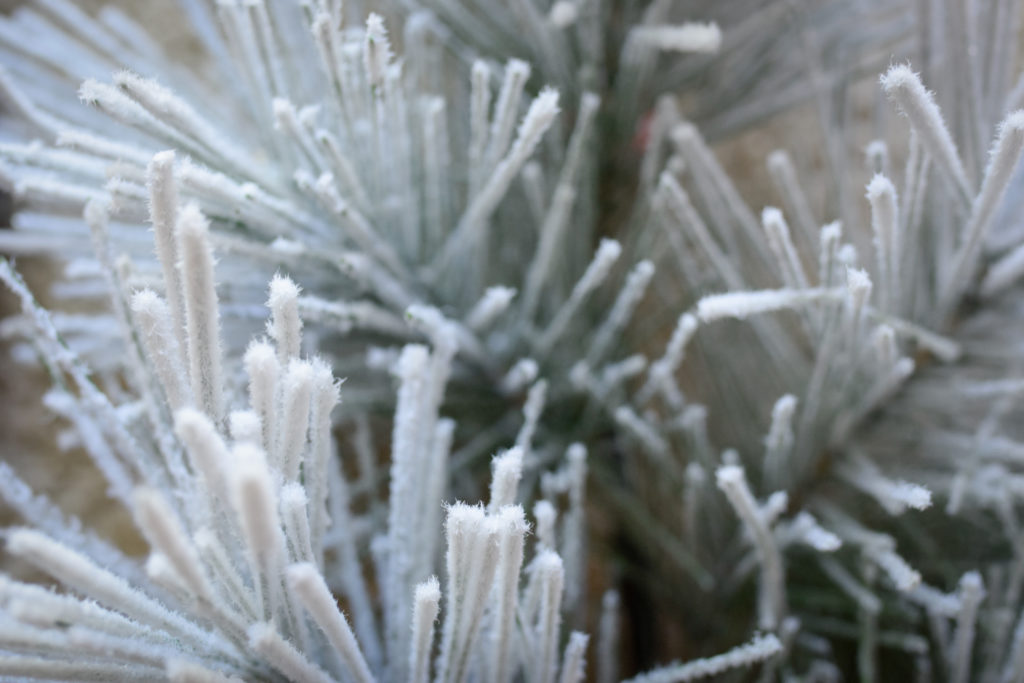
(503,233)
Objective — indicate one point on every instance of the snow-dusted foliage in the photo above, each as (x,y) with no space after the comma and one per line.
(495,224)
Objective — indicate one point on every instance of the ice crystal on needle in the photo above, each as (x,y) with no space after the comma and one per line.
(495,222)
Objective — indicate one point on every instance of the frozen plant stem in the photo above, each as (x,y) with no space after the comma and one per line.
(771,600)
(201,314)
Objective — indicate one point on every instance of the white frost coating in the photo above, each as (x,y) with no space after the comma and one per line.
(781,244)
(886,348)
(376,50)
(690,37)
(574,659)
(309,586)
(902,575)
(38,606)
(254,498)
(563,14)
(779,442)
(972,592)
(179,116)
(420,449)
(494,302)
(285,327)
(519,375)
(771,596)
(472,561)
(574,528)
(358,196)
(532,409)
(773,506)
(743,304)
(479,106)
(244,425)
(780,436)
(511,533)
(163,210)
(885,226)
(643,432)
(201,311)
(762,647)
(614,374)
(622,310)
(326,395)
(156,327)
(813,534)
(123,108)
(181,671)
(685,328)
(606,255)
(263,370)
(506,110)
(538,119)
(904,87)
(293,418)
(828,256)
(1004,273)
(545,515)
(858,292)
(1005,153)
(551,578)
(426,605)
(407,447)
(294,508)
(934,600)
(16,99)
(507,470)
(660,374)
(894,495)
(787,184)
(283,656)
(876,153)
(208,454)
(164,533)
(78,572)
